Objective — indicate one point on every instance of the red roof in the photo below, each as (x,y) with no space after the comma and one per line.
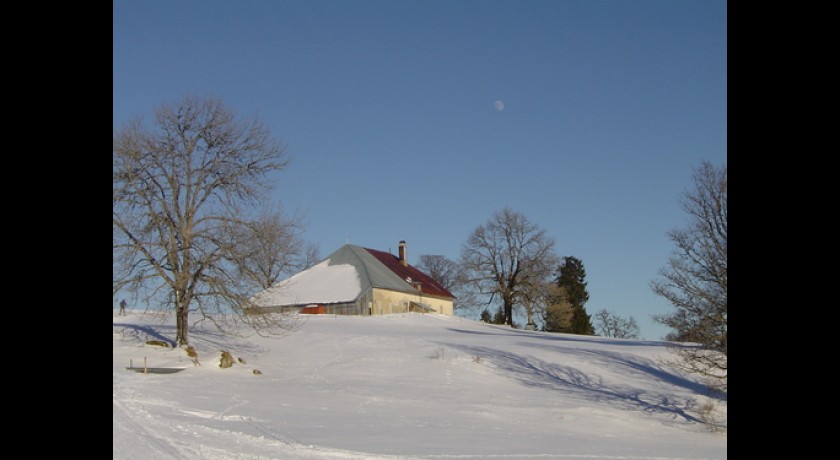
(428,286)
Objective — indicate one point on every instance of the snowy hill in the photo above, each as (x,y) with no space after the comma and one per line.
(406,387)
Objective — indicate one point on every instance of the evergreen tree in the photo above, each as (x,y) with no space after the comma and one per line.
(582,322)
(571,277)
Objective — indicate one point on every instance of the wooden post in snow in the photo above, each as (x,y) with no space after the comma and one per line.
(145,367)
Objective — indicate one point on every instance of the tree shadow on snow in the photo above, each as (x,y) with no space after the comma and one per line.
(511,332)
(537,373)
(149,331)
(200,338)
(639,366)
(217,340)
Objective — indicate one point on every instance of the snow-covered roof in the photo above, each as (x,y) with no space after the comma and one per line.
(323,283)
(342,277)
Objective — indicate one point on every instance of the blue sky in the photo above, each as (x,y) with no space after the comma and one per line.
(388,111)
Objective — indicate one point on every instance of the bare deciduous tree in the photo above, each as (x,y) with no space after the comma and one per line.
(506,258)
(535,300)
(272,247)
(181,191)
(612,325)
(559,311)
(695,278)
(440,269)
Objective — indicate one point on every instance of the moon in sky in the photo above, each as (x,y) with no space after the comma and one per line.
(499,105)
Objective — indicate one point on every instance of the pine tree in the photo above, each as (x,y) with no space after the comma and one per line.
(582,322)
(571,277)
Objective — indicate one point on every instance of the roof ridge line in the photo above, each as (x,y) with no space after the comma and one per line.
(362,263)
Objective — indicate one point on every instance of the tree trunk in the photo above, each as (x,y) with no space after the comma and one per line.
(181,316)
(508,313)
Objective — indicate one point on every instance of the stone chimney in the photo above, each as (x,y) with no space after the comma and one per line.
(403,259)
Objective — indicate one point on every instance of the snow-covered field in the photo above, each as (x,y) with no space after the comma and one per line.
(406,386)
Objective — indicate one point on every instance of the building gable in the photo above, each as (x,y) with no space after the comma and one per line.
(418,280)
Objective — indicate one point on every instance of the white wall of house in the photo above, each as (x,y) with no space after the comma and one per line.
(386,302)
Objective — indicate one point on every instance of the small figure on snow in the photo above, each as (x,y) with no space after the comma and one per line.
(122,307)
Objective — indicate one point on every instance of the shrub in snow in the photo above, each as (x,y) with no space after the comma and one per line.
(226,361)
(193,354)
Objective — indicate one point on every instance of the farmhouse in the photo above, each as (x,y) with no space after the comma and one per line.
(358,281)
